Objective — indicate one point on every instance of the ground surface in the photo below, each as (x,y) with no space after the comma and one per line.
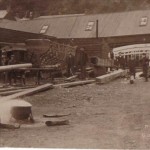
(114,115)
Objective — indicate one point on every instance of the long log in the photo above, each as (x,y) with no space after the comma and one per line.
(17,66)
(28,92)
(73,84)
(15,88)
(71,78)
(8,126)
(55,115)
(57,123)
(6,93)
(111,76)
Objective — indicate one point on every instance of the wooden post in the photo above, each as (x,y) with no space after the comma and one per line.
(96,28)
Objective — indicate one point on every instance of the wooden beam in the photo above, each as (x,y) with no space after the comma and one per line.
(73,84)
(6,93)
(15,88)
(9,126)
(55,115)
(111,76)
(11,67)
(71,78)
(57,123)
(28,92)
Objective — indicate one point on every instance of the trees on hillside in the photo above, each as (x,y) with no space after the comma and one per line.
(54,7)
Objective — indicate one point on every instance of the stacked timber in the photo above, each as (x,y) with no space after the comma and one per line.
(111,76)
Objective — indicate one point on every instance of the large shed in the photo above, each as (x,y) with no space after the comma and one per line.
(98,33)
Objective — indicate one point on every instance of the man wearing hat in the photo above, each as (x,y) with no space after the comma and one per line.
(12,73)
(145,66)
(70,61)
(83,59)
(121,61)
(4,62)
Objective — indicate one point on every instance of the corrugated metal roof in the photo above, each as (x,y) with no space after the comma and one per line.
(3,13)
(74,26)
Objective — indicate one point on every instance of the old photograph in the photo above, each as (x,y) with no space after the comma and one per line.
(75,74)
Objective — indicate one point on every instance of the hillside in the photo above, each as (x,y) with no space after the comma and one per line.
(55,7)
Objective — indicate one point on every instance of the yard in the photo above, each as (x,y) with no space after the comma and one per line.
(114,115)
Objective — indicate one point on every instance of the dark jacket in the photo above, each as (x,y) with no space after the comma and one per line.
(132,65)
(83,58)
(70,60)
(145,62)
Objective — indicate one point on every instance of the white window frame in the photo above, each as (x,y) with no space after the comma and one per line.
(90,26)
(44,29)
(144,21)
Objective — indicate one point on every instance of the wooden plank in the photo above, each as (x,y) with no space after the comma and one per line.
(15,88)
(11,67)
(6,93)
(111,76)
(57,123)
(55,115)
(73,84)
(28,92)
(9,126)
(71,78)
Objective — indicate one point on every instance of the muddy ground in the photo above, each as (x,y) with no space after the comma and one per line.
(114,115)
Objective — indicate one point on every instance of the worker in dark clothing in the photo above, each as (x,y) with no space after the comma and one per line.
(121,61)
(4,62)
(132,65)
(70,61)
(145,66)
(12,73)
(132,71)
(38,77)
(83,60)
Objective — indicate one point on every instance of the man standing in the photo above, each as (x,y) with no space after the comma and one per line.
(145,66)
(121,61)
(83,59)
(4,63)
(132,71)
(12,73)
(70,61)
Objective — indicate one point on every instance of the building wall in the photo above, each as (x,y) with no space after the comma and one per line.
(93,46)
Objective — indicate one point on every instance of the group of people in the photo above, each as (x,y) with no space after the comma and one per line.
(144,64)
(132,63)
(77,63)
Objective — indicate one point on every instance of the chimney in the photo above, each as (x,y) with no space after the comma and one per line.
(96,28)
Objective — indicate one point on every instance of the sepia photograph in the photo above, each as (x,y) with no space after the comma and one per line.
(75,74)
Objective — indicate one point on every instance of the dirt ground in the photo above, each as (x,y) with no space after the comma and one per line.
(115,115)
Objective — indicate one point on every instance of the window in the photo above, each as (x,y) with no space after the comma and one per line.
(89,26)
(44,29)
(143,21)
